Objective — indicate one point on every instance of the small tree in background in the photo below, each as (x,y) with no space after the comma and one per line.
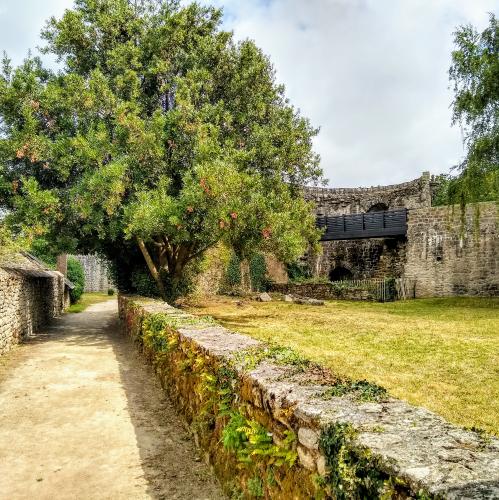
(475,74)
(159,138)
(7,243)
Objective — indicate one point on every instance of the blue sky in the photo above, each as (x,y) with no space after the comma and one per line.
(371,73)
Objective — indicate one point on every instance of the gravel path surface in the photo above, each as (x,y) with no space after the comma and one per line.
(82,417)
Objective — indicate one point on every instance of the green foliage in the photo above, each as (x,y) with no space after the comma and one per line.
(232,438)
(233,272)
(143,283)
(226,387)
(250,358)
(253,443)
(255,487)
(160,132)
(475,73)
(77,276)
(8,244)
(258,272)
(155,334)
(110,291)
(298,271)
(440,195)
(43,250)
(361,390)
(352,472)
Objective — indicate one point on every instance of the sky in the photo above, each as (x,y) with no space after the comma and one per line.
(372,74)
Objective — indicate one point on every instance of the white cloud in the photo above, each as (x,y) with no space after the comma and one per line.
(371,73)
(21,22)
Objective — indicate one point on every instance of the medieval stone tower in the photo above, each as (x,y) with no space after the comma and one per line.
(366,257)
(446,250)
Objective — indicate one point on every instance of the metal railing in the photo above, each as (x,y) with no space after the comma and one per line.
(367,225)
(378,289)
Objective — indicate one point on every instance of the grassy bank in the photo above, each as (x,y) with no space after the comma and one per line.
(87,299)
(439,353)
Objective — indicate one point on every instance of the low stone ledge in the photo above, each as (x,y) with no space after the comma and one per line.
(336,447)
(324,291)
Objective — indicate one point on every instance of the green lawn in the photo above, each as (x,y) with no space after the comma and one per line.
(87,299)
(439,353)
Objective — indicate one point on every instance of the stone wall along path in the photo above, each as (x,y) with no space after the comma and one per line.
(81,416)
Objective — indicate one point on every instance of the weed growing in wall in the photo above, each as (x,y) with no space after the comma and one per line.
(253,443)
(249,359)
(360,390)
(255,487)
(352,472)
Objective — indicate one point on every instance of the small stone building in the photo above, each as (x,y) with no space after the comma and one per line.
(31,295)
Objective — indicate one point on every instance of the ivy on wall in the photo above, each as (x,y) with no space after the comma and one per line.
(233,272)
(257,274)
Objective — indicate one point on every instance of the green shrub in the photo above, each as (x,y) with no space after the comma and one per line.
(110,291)
(298,272)
(77,276)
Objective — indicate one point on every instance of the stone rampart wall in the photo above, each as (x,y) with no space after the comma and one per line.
(364,259)
(96,273)
(339,201)
(454,253)
(325,291)
(373,257)
(274,429)
(27,303)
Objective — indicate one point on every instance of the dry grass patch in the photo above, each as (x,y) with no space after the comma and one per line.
(439,353)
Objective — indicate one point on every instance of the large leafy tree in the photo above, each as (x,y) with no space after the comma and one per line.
(475,74)
(159,137)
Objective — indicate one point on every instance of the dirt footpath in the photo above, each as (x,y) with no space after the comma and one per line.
(82,417)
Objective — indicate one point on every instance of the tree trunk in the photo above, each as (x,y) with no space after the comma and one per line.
(245,276)
(152,268)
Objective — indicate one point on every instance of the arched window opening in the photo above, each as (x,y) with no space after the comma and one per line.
(340,274)
(378,207)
